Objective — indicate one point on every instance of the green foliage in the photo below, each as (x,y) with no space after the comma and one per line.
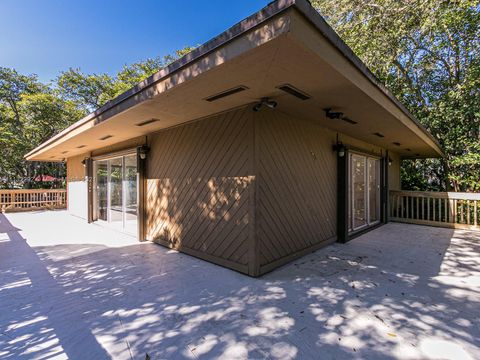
(32,112)
(427,53)
(90,91)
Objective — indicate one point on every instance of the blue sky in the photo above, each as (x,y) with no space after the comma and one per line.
(45,37)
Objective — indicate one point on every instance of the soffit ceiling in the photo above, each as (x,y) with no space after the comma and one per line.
(289,57)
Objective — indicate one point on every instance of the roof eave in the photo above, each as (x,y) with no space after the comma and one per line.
(271,10)
(254,20)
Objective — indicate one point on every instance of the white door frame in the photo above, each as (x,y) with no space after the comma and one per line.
(366,191)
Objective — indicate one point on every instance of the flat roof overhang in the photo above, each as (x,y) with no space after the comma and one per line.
(287,42)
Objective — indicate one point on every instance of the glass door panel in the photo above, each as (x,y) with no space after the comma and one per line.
(358,191)
(130,193)
(364,191)
(115,192)
(101,189)
(373,190)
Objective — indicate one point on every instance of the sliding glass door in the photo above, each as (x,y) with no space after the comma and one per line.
(364,191)
(130,185)
(115,192)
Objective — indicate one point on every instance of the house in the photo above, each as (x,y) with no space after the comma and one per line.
(267,142)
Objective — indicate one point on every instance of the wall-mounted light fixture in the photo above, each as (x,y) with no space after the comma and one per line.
(84,162)
(340,149)
(143,151)
(272,104)
(390,161)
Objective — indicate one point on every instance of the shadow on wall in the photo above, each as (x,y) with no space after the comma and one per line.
(200,185)
(359,300)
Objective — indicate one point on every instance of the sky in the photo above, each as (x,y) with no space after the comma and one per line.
(45,37)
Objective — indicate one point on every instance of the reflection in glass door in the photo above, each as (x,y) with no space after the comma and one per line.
(358,191)
(115,200)
(364,191)
(130,193)
(373,190)
(115,192)
(100,193)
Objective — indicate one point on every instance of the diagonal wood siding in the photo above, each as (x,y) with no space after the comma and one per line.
(249,191)
(199,184)
(296,200)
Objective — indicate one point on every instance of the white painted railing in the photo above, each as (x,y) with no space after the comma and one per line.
(32,199)
(447,209)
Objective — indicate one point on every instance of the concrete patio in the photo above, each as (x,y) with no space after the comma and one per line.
(78,291)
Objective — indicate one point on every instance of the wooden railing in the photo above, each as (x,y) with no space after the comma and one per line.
(35,199)
(446,209)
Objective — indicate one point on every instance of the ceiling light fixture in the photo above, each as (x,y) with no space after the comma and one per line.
(337,115)
(333,114)
(272,104)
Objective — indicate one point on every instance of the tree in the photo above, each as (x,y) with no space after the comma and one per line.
(32,112)
(427,53)
(90,91)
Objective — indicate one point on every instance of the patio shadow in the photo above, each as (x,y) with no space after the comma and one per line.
(385,295)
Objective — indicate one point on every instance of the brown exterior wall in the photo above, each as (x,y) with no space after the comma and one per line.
(200,188)
(246,190)
(394,171)
(296,200)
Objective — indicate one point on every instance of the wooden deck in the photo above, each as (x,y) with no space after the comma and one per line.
(87,292)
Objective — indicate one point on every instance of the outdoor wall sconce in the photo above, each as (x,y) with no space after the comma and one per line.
(84,162)
(272,104)
(143,151)
(390,161)
(340,149)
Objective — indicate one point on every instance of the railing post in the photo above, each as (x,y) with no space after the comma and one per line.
(475,209)
(468,212)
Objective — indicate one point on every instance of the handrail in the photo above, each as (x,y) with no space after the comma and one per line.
(446,209)
(32,199)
